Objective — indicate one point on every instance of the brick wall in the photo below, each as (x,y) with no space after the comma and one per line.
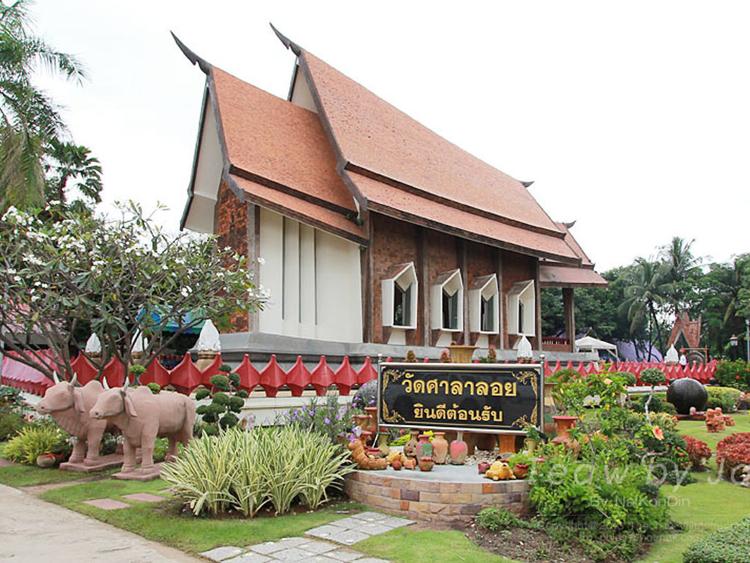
(230,226)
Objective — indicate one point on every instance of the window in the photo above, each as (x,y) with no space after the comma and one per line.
(400,298)
(522,309)
(484,305)
(448,302)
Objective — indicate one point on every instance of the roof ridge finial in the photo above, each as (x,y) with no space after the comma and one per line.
(204,65)
(570,224)
(527,183)
(288,43)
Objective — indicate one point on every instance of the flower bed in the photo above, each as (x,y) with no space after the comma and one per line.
(732,453)
(698,451)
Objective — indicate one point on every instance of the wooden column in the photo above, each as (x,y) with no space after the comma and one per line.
(423,281)
(569,311)
(465,281)
(502,329)
(538,307)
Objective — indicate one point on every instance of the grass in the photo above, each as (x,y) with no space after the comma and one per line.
(28,475)
(164,523)
(408,545)
(705,506)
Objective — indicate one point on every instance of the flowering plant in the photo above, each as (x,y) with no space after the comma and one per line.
(329,418)
(698,451)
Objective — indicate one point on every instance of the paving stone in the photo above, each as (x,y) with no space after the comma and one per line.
(372,560)
(325,532)
(321,559)
(248,558)
(375,528)
(106,504)
(343,555)
(395,522)
(271,547)
(317,547)
(349,537)
(292,554)
(222,553)
(347,523)
(370,516)
(144,497)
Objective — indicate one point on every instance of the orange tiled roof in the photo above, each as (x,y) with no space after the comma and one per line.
(557,275)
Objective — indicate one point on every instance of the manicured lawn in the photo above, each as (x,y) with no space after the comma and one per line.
(409,545)
(162,522)
(27,475)
(704,506)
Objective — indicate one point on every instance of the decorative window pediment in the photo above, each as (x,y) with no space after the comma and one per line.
(484,305)
(400,298)
(448,302)
(522,309)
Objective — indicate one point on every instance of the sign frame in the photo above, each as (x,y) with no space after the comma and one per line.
(538,367)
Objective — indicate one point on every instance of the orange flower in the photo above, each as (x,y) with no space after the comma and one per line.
(658,434)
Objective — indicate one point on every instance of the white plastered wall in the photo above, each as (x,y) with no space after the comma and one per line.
(314,281)
(208,170)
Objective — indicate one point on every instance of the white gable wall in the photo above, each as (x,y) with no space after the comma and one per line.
(301,95)
(314,281)
(208,170)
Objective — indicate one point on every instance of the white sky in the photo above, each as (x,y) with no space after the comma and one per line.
(632,117)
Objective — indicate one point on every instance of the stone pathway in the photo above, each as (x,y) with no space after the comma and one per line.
(113,504)
(323,544)
(33,530)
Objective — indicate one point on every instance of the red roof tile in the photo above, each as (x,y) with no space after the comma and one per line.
(302,210)
(566,276)
(574,246)
(278,143)
(374,135)
(396,202)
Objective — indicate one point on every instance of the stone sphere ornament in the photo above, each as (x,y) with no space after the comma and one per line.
(685,393)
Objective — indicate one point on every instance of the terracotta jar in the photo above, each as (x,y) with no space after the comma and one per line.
(562,425)
(426,463)
(439,448)
(521,470)
(458,450)
(424,447)
(372,415)
(410,463)
(362,420)
(366,437)
(410,448)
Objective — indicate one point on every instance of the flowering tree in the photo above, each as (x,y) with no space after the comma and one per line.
(122,278)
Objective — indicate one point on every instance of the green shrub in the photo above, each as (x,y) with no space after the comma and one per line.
(226,402)
(245,471)
(734,374)
(653,376)
(10,398)
(154,387)
(329,418)
(659,403)
(10,424)
(724,397)
(494,519)
(35,440)
(728,545)
(365,395)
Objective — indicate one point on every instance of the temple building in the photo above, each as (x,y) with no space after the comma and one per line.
(372,233)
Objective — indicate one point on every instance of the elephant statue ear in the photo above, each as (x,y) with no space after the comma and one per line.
(78,402)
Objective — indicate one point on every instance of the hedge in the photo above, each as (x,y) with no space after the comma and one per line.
(724,397)
(728,545)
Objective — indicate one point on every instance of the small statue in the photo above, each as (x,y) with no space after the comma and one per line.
(363,460)
(500,471)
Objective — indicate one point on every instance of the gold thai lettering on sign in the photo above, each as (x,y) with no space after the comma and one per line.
(459,388)
(441,412)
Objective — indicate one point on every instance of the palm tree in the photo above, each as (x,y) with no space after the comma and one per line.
(71,166)
(644,296)
(681,267)
(29,119)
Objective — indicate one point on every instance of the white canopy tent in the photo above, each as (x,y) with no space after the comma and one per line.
(591,344)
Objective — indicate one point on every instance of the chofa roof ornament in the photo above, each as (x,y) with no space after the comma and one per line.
(208,340)
(524,351)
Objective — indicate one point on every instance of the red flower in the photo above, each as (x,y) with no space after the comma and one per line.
(658,434)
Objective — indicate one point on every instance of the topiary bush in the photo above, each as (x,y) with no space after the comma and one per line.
(725,398)
(727,545)
(246,471)
(226,401)
(732,453)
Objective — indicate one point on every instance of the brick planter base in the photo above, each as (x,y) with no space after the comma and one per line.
(447,493)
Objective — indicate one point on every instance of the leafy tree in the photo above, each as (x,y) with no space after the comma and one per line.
(682,269)
(123,277)
(645,295)
(29,119)
(70,166)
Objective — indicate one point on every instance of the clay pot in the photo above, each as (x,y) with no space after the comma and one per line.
(410,448)
(424,447)
(383,444)
(562,425)
(482,467)
(46,460)
(362,420)
(366,437)
(410,463)
(458,450)
(372,415)
(529,445)
(396,464)
(439,448)
(521,470)
(461,354)
(426,463)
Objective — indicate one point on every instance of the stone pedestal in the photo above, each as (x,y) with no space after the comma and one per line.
(139,474)
(103,462)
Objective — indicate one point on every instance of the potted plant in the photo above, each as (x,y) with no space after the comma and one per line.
(520,463)
(533,437)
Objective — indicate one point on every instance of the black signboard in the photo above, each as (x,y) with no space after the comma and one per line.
(470,397)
